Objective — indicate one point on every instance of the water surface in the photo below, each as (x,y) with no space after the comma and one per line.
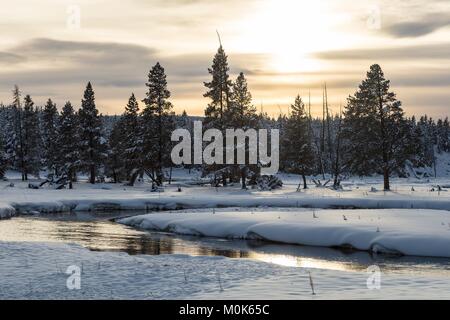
(98,232)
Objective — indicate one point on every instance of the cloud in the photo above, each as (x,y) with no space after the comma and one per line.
(428,78)
(105,63)
(425,25)
(415,52)
(61,68)
(107,53)
(8,58)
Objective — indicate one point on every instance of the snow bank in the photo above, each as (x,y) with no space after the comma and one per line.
(6,211)
(222,200)
(407,232)
(406,194)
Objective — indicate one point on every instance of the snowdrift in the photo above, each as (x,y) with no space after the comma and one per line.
(208,200)
(6,211)
(404,232)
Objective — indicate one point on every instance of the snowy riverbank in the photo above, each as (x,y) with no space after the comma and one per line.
(401,231)
(6,211)
(357,193)
(408,232)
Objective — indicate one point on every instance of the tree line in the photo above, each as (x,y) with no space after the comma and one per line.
(369,135)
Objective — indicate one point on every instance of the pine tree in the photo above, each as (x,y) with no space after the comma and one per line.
(427,131)
(443,132)
(183,121)
(90,134)
(445,138)
(14,138)
(220,94)
(11,137)
(130,139)
(116,163)
(375,127)
(50,136)
(158,123)
(3,158)
(298,154)
(337,157)
(241,114)
(415,142)
(220,88)
(68,142)
(31,143)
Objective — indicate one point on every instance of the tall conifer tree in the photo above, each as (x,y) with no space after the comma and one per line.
(49,135)
(375,127)
(158,123)
(90,134)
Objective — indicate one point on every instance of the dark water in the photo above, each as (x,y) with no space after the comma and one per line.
(98,232)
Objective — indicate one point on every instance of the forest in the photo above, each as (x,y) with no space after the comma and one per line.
(371,135)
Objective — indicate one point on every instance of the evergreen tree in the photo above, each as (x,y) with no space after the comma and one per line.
(131,150)
(183,121)
(426,132)
(220,94)
(241,114)
(443,135)
(68,142)
(116,163)
(375,127)
(3,159)
(50,137)
(219,91)
(158,123)
(90,134)
(298,154)
(338,156)
(11,137)
(31,143)
(415,143)
(14,137)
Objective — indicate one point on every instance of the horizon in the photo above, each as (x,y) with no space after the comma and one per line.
(80,43)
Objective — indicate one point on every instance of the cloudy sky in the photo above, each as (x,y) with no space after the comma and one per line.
(51,48)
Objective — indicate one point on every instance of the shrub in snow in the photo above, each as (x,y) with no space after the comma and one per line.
(319,184)
(268,182)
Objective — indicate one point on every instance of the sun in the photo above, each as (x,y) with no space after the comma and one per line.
(289,31)
(292,62)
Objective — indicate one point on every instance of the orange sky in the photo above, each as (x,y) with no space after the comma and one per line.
(51,48)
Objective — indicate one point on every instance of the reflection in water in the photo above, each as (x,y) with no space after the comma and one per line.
(97,232)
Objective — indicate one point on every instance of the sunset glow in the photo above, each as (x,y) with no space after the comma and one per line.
(285,47)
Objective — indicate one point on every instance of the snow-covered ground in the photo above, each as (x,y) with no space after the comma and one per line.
(415,222)
(357,193)
(38,271)
(409,232)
